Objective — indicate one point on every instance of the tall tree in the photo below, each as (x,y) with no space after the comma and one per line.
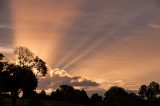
(96,98)
(149,92)
(143,91)
(117,96)
(68,93)
(153,90)
(3,75)
(30,67)
(1,63)
(21,77)
(40,66)
(25,58)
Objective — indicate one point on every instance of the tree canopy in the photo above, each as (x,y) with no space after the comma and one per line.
(25,58)
(149,92)
(21,76)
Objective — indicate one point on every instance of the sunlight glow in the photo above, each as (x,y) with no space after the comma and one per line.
(113,44)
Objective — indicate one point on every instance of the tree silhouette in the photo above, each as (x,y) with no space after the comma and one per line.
(96,98)
(1,56)
(66,89)
(115,91)
(149,92)
(143,91)
(117,96)
(21,77)
(4,76)
(28,81)
(40,66)
(42,95)
(68,93)
(7,81)
(57,95)
(83,97)
(25,58)
(1,63)
(28,65)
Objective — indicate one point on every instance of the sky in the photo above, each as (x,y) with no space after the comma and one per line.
(95,43)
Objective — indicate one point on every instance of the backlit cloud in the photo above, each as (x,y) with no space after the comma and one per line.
(155,25)
(59,77)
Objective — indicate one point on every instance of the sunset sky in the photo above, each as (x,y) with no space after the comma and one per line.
(98,43)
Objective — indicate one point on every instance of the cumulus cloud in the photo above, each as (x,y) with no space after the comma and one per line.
(59,77)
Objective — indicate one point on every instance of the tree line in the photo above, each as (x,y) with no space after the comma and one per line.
(22,78)
(114,96)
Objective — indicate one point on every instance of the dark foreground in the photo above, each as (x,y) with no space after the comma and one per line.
(32,102)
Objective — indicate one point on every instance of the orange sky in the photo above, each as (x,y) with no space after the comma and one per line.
(110,42)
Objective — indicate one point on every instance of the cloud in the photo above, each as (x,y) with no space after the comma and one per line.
(5,27)
(155,25)
(120,83)
(59,77)
(6,50)
(6,24)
